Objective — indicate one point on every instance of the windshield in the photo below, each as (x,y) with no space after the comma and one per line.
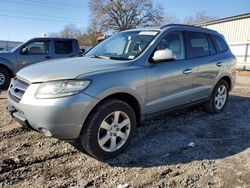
(123,46)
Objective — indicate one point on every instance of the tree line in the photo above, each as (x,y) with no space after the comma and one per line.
(110,16)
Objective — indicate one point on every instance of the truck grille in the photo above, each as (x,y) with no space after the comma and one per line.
(17,89)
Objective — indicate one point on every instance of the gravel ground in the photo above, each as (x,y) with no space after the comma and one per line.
(186,148)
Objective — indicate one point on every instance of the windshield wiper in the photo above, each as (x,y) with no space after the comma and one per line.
(100,57)
(118,58)
(108,57)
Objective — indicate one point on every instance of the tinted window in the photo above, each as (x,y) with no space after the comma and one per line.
(199,44)
(211,46)
(63,47)
(37,48)
(220,43)
(175,43)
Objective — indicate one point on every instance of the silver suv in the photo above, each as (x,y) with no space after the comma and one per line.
(98,100)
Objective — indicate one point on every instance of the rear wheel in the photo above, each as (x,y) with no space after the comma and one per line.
(108,130)
(4,78)
(218,99)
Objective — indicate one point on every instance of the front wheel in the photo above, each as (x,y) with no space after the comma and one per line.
(108,130)
(218,99)
(5,78)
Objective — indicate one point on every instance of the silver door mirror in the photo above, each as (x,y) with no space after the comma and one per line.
(25,51)
(163,55)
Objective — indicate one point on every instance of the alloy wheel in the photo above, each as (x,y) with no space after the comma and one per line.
(2,79)
(114,131)
(220,97)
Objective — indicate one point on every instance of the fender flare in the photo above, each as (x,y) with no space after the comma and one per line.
(123,90)
(219,78)
(8,65)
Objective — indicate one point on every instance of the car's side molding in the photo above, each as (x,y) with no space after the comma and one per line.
(149,116)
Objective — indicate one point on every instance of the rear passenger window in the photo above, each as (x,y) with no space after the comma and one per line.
(211,45)
(63,47)
(199,44)
(220,43)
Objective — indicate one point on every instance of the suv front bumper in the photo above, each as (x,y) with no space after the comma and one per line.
(63,117)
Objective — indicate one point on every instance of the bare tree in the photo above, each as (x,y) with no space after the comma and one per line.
(199,17)
(170,18)
(70,31)
(89,39)
(118,15)
(54,34)
(190,20)
(85,38)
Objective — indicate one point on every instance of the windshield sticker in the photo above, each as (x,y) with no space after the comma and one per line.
(131,57)
(148,33)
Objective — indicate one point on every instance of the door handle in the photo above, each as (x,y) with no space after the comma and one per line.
(219,64)
(47,57)
(187,71)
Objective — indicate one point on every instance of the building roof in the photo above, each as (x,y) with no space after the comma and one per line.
(9,41)
(227,19)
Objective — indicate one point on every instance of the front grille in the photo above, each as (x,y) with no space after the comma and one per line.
(17,89)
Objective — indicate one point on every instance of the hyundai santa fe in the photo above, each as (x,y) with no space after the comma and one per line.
(98,100)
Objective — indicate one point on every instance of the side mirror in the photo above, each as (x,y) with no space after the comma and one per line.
(25,51)
(83,51)
(163,55)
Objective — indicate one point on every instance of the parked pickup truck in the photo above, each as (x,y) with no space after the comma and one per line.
(34,51)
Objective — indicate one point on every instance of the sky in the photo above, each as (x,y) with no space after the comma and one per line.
(21,20)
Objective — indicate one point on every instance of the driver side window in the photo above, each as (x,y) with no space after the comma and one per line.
(36,48)
(175,43)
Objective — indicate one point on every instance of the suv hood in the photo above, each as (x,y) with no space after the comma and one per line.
(70,68)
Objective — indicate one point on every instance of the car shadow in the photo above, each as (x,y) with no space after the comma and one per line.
(2,94)
(188,135)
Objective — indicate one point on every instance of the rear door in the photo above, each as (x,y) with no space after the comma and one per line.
(202,53)
(63,48)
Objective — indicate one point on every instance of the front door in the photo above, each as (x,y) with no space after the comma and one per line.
(169,83)
(33,52)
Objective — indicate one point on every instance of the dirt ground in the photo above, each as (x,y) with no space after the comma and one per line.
(160,154)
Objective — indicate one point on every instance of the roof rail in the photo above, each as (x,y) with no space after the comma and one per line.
(168,25)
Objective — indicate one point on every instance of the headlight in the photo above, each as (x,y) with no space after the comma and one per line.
(63,88)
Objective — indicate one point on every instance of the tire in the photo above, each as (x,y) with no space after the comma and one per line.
(98,136)
(212,106)
(5,78)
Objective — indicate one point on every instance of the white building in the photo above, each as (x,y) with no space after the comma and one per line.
(8,45)
(236,30)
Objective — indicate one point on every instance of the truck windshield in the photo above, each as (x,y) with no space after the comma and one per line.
(123,46)
(14,49)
